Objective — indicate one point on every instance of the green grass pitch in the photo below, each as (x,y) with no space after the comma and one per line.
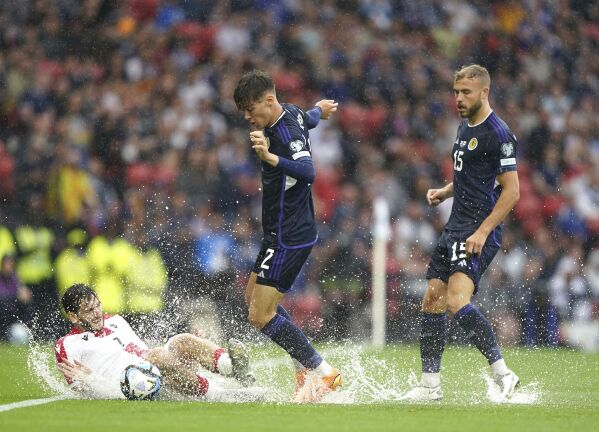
(560,392)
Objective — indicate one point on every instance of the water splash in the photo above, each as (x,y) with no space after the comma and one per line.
(371,380)
(524,394)
(41,364)
(368,380)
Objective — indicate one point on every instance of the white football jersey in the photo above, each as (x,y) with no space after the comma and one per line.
(106,352)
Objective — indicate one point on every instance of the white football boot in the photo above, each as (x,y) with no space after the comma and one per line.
(507,384)
(421,393)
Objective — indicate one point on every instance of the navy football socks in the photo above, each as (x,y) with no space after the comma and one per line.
(479,332)
(282,311)
(289,337)
(433,331)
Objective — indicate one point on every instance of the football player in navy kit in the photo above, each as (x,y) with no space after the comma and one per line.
(484,189)
(279,136)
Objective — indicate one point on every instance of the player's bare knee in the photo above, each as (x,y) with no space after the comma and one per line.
(428,303)
(178,343)
(257,318)
(157,357)
(455,302)
(256,321)
(433,302)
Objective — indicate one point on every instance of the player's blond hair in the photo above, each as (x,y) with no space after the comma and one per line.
(474,71)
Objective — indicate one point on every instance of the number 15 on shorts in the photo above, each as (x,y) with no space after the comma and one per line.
(462,250)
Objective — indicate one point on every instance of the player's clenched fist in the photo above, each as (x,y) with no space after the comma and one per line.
(435,196)
(260,145)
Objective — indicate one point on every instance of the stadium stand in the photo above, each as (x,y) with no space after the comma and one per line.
(117,117)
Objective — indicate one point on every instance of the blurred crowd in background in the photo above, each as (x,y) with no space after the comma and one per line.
(125,164)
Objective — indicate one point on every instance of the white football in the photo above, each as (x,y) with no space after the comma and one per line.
(141,382)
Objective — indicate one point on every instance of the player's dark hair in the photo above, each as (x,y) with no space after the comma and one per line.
(75,295)
(251,87)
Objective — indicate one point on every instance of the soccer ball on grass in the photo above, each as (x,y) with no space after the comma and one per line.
(141,382)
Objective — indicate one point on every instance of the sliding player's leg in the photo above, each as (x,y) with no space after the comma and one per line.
(176,374)
(195,351)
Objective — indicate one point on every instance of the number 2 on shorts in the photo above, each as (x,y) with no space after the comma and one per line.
(269,254)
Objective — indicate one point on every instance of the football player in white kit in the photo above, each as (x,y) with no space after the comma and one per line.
(99,347)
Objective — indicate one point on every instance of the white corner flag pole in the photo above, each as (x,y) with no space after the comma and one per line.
(381,231)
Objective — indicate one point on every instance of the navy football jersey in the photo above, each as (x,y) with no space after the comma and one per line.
(480,153)
(287,207)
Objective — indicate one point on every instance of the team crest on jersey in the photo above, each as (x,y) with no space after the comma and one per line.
(507,149)
(472,144)
(296,145)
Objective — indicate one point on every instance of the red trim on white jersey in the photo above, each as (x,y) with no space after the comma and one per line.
(61,355)
(136,349)
(106,352)
(75,330)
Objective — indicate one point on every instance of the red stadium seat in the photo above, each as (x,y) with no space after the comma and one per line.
(529,207)
(139,174)
(551,205)
(531,226)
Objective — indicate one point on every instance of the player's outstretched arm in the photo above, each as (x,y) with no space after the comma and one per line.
(327,107)
(322,110)
(437,196)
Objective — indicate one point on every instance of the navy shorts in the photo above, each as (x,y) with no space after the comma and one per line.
(450,256)
(278,266)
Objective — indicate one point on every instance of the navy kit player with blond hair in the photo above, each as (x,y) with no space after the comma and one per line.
(279,136)
(484,189)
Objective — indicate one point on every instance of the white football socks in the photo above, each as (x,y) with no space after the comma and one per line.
(431,379)
(224,365)
(324,369)
(298,366)
(499,368)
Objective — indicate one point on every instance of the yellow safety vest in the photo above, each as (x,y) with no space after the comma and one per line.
(71,267)
(7,242)
(110,264)
(110,290)
(147,281)
(34,264)
(112,256)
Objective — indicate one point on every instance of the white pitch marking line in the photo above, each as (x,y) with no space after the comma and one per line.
(29,403)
